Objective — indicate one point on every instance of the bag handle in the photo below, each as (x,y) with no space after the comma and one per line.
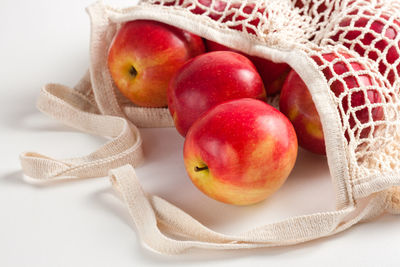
(375,183)
(393,200)
(156,219)
(76,110)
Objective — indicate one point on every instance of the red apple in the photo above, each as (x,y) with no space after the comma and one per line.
(312,8)
(235,15)
(145,55)
(242,17)
(210,79)
(241,151)
(320,8)
(296,102)
(217,7)
(273,74)
(320,11)
(373,37)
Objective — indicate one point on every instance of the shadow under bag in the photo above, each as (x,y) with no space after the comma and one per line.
(313,37)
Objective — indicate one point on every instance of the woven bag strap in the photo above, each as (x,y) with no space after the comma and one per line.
(76,110)
(157,220)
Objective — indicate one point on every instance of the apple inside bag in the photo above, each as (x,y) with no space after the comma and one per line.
(344,53)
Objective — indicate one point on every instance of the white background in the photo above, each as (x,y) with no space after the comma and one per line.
(83,223)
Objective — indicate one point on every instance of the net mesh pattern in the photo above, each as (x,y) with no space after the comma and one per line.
(354,44)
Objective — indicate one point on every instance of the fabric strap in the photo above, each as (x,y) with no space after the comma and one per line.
(162,226)
(157,220)
(71,107)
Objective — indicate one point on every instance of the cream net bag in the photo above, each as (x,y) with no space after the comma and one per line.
(335,46)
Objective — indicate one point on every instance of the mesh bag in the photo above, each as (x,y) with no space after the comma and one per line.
(346,51)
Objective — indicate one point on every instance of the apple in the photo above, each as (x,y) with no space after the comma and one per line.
(240,152)
(145,55)
(273,74)
(207,80)
(373,37)
(320,11)
(237,15)
(313,8)
(297,104)
(217,7)
(242,17)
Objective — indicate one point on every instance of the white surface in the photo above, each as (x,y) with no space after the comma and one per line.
(83,223)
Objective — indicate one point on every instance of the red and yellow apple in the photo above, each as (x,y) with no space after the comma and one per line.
(297,104)
(240,151)
(273,74)
(210,79)
(145,55)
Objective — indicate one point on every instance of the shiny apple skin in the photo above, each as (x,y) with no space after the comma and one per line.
(379,35)
(155,51)
(273,74)
(248,147)
(297,104)
(210,79)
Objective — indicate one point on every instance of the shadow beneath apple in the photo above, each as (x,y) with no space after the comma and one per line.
(163,169)
(309,184)
(307,190)
(309,165)
(161,143)
(109,201)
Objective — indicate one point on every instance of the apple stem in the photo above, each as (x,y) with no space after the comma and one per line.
(133,72)
(199,169)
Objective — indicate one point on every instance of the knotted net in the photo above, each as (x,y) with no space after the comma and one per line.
(346,51)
